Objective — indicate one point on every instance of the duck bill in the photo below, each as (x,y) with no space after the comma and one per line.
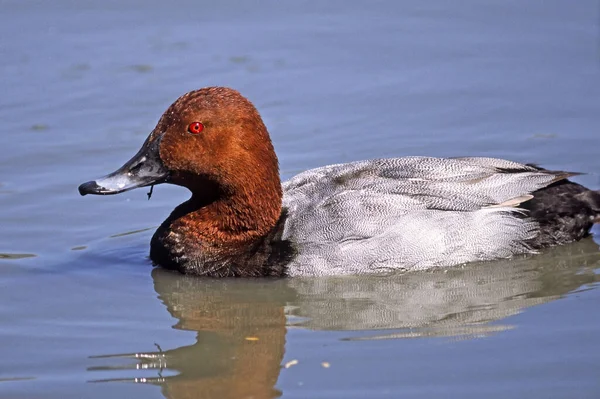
(144,169)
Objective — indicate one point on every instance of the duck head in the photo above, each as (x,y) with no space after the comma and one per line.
(213,142)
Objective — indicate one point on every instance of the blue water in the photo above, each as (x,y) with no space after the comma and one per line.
(84,314)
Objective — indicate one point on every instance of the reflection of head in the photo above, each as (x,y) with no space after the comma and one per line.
(240,341)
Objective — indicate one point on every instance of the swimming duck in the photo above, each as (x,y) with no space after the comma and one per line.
(372,216)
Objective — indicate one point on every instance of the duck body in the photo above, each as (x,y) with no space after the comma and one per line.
(417,213)
(374,216)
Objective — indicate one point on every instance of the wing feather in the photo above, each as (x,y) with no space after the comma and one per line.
(412,212)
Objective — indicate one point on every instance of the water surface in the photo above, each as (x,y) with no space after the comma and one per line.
(83,312)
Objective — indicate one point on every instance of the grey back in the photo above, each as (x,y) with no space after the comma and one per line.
(408,213)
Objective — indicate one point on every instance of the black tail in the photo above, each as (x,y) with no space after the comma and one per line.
(565,211)
(592,199)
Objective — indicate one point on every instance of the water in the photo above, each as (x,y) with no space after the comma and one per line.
(83,312)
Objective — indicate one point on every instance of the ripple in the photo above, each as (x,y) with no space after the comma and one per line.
(17,256)
(39,126)
(13,379)
(128,233)
(141,68)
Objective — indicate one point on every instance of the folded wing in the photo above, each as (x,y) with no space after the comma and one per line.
(410,213)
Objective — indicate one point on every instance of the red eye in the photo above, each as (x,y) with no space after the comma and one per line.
(195,127)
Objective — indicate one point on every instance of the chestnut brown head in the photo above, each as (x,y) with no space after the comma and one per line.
(212,141)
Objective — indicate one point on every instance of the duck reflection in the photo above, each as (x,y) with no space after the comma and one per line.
(241,324)
(466,301)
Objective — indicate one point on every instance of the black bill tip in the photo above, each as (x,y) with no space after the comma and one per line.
(144,169)
(90,187)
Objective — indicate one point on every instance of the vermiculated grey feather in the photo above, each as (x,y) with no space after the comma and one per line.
(408,213)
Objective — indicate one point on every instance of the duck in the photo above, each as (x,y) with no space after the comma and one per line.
(365,217)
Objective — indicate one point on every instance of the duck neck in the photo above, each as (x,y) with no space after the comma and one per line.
(221,231)
(235,215)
